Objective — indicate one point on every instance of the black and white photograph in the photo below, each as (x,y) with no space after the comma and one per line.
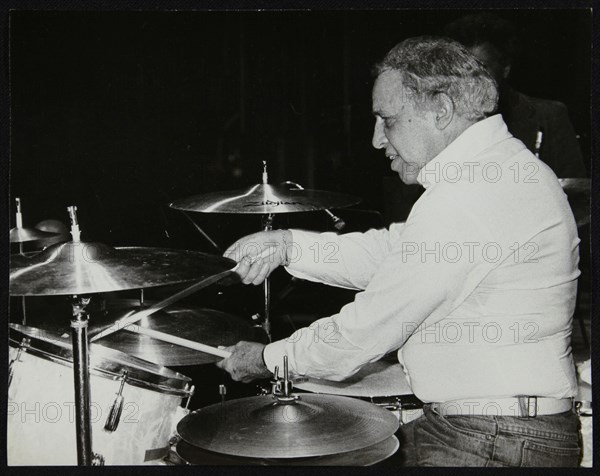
(308,236)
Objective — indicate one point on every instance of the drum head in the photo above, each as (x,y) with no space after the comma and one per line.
(376,379)
(48,345)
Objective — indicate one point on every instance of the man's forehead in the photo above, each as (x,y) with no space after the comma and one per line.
(387,90)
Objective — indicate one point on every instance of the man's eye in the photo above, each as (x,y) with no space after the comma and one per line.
(388,121)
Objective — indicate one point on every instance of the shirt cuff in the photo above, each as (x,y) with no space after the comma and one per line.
(273,356)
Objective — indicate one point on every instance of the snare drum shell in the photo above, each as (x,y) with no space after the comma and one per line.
(41,417)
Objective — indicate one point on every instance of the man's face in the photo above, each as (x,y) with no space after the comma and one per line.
(407,134)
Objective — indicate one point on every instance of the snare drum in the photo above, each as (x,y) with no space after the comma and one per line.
(41,403)
(382,383)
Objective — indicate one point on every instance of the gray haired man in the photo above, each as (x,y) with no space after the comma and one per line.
(475,291)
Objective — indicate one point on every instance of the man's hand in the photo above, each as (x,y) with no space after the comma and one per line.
(246,362)
(259,254)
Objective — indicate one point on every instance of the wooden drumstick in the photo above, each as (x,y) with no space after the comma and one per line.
(136,316)
(207,349)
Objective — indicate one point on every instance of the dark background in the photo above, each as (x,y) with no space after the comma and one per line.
(121,112)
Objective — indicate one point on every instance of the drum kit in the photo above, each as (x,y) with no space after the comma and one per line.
(105,394)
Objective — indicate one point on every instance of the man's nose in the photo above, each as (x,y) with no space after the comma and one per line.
(379,140)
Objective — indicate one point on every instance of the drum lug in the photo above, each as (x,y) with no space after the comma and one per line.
(24,344)
(97,460)
(192,389)
(176,438)
(114,414)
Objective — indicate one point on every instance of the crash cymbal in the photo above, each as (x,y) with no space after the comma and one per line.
(265,199)
(206,326)
(377,379)
(53,226)
(87,267)
(263,427)
(368,456)
(578,192)
(22,235)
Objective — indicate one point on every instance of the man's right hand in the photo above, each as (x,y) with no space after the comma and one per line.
(259,254)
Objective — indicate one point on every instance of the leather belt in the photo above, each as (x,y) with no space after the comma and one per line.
(524,407)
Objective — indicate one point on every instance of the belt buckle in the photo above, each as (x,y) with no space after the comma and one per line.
(527,406)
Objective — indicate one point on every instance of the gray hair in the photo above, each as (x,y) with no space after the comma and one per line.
(433,65)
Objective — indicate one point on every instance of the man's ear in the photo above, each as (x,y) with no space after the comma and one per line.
(443,109)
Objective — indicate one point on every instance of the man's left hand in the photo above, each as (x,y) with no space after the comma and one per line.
(245,362)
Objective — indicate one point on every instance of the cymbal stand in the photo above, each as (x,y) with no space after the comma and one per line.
(267,223)
(81,369)
(19,224)
(281,389)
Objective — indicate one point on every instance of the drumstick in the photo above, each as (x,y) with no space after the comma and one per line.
(121,323)
(133,318)
(178,341)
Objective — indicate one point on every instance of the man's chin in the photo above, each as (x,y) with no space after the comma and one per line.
(408,179)
(407,173)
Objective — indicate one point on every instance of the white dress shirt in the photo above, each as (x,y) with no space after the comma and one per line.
(476,290)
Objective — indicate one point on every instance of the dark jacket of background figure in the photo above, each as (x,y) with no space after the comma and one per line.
(525,116)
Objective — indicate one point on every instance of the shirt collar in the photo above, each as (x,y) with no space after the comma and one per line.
(469,144)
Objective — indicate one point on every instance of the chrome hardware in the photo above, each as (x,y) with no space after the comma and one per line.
(24,343)
(97,459)
(222,392)
(114,414)
(282,389)
(187,402)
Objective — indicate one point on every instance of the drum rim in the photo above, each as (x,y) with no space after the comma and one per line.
(105,361)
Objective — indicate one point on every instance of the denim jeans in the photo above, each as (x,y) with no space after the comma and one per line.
(436,440)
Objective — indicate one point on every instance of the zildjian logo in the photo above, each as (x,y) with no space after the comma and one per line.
(270,203)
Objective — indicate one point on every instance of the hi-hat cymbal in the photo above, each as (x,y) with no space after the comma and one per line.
(206,326)
(368,456)
(313,425)
(87,267)
(265,199)
(22,235)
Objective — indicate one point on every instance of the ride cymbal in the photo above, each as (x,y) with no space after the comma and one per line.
(265,199)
